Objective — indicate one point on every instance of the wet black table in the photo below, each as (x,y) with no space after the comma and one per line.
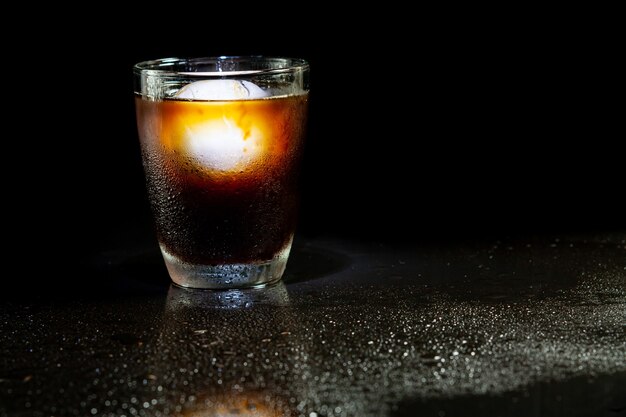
(514,327)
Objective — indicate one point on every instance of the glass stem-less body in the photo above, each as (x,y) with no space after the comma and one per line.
(222,179)
(225,225)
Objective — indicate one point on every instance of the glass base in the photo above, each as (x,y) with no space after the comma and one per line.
(226,276)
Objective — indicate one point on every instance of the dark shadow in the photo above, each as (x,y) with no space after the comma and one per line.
(308,262)
(139,270)
(145,267)
(133,271)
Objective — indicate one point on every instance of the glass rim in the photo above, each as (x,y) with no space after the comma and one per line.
(158,67)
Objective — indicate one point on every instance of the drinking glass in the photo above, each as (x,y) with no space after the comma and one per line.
(221,141)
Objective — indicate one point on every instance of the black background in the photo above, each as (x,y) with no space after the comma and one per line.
(440,129)
(430,127)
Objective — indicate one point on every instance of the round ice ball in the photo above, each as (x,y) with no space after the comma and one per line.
(221,90)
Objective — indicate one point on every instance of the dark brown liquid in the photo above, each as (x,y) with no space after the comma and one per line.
(222,176)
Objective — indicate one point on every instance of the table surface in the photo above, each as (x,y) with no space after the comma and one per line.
(532,326)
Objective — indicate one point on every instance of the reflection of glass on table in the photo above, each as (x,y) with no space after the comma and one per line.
(180,298)
(228,347)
